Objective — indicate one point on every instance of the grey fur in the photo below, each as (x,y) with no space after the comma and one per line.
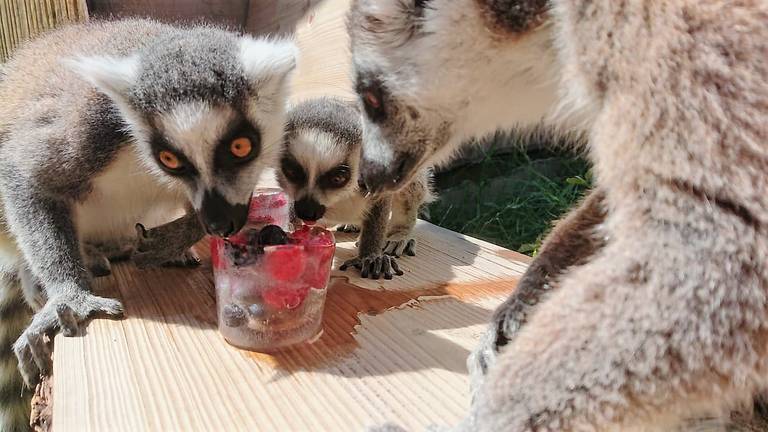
(324,133)
(664,327)
(78,162)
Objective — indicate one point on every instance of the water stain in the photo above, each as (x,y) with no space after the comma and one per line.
(347,301)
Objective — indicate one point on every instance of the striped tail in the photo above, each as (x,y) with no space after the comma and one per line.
(15,399)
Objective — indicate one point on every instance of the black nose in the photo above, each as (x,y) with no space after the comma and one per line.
(379,177)
(309,209)
(219,216)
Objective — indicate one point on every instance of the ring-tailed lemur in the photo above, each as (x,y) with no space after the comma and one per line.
(104,125)
(660,315)
(319,170)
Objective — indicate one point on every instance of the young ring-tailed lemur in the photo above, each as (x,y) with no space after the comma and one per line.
(107,124)
(659,316)
(319,170)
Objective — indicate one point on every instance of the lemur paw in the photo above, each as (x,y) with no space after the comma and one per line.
(400,247)
(153,249)
(187,259)
(63,313)
(97,263)
(348,228)
(374,266)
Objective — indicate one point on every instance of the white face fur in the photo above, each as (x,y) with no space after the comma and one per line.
(318,172)
(213,150)
(431,74)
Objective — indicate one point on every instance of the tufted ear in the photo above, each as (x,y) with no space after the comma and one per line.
(111,75)
(263,59)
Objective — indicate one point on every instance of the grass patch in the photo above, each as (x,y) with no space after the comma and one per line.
(510,199)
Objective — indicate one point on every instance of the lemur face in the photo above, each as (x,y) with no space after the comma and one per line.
(320,163)
(427,75)
(318,172)
(207,113)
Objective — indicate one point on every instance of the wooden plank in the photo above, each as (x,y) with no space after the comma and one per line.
(390,351)
(325,63)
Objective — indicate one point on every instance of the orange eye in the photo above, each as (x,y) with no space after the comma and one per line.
(170,160)
(240,147)
(372,100)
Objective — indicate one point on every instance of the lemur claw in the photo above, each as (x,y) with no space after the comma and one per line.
(348,228)
(64,313)
(374,266)
(398,248)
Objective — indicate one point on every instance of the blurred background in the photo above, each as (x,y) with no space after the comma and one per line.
(506,188)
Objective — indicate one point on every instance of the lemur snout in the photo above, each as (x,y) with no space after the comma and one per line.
(309,209)
(379,177)
(220,217)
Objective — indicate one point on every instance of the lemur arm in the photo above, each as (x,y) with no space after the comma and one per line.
(371,261)
(405,211)
(168,244)
(572,241)
(46,235)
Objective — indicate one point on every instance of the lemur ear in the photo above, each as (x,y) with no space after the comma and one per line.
(264,60)
(113,76)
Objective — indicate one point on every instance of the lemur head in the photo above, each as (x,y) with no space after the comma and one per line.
(432,73)
(319,166)
(206,109)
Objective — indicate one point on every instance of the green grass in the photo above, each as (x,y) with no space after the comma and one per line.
(510,199)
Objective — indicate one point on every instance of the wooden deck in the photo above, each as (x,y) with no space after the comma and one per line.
(391,350)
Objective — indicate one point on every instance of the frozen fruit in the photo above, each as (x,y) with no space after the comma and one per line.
(284,263)
(216,254)
(301,235)
(234,315)
(320,237)
(272,235)
(281,298)
(256,310)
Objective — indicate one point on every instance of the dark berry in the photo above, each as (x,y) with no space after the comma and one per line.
(272,235)
(256,310)
(234,315)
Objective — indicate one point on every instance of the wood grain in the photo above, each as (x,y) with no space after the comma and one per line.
(390,351)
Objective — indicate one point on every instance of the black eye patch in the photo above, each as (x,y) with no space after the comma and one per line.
(293,171)
(159,144)
(224,160)
(335,178)
(373,95)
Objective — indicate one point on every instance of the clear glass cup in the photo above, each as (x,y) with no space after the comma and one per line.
(269,297)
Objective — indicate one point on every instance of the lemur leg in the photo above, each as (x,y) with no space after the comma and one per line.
(46,236)
(371,261)
(573,241)
(169,244)
(405,211)
(634,339)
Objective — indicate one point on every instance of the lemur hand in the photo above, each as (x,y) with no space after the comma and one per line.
(64,313)
(374,266)
(169,244)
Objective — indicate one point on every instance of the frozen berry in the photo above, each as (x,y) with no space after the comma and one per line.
(284,263)
(320,237)
(219,263)
(272,235)
(282,298)
(234,315)
(256,310)
(301,235)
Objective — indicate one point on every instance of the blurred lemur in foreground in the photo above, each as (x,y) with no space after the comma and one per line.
(648,306)
(107,124)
